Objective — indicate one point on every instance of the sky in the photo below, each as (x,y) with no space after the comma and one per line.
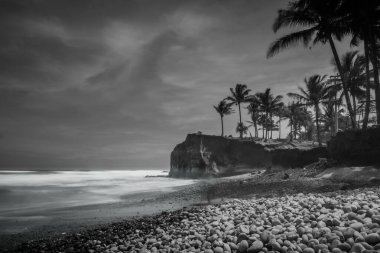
(96,84)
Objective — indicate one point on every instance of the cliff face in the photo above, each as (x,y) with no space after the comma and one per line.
(356,147)
(205,155)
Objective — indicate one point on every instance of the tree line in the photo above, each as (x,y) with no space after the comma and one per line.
(344,99)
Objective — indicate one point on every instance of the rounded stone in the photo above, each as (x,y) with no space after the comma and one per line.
(218,250)
(243,246)
(372,239)
(292,236)
(265,236)
(276,246)
(276,222)
(376,219)
(308,250)
(357,248)
(344,246)
(256,247)
(233,246)
(357,226)
(336,250)
(226,247)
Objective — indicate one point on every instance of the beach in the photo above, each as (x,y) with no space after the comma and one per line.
(328,222)
(206,193)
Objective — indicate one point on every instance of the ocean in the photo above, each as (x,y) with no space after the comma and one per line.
(36,197)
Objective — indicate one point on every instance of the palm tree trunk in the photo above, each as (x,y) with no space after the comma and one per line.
(355,108)
(336,115)
(376,66)
(271,126)
(367,88)
(317,122)
(239,113)
(221,119)
(256,132)
(279,128)
(344,81)
(291,130)
(266,125)
(241,133)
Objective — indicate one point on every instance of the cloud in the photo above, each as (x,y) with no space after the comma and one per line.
(96,84)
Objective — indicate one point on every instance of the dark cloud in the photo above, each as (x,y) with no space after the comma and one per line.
(116,84)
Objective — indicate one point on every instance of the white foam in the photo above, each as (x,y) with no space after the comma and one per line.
(54,189)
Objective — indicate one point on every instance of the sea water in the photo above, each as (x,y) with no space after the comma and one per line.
(32,194)
(52,189)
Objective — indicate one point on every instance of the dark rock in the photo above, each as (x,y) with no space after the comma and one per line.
(344,246)
(186,159)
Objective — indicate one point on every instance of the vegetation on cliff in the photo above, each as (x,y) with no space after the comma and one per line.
(342,101)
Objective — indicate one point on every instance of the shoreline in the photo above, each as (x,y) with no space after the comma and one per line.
(205,192)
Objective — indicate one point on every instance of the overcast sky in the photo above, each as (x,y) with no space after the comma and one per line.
(117,84)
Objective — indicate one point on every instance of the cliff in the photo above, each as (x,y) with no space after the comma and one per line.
(205,155)
(356,147)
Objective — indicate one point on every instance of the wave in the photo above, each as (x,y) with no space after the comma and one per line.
(60,189)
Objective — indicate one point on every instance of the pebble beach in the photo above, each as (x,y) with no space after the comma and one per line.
(340,221)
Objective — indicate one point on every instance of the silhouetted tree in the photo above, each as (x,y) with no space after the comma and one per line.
(254,111)
(241,129)
(239,95)
(268,104)
(363,20)
(223,108)
(315,93)
(353,66)
(323,21)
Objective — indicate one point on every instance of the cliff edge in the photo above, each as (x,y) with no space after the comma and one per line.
(206,155)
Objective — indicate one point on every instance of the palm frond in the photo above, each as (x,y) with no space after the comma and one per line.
(292,17)
(292,39)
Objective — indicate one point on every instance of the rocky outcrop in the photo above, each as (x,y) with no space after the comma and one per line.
(205,155)
(356,147)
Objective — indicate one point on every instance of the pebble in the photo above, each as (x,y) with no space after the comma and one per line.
(256,247)
(308,223)
(218,250)
(372,238)
(243,246)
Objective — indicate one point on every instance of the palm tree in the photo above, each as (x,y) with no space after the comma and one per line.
(354,69)
(223,108)
(330,115)
(254,111)
(268,104)
(363,18)
(280,113)
(275,105)
(323,22)
(315,93)
(241,129)
(239,95)
(293,112)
